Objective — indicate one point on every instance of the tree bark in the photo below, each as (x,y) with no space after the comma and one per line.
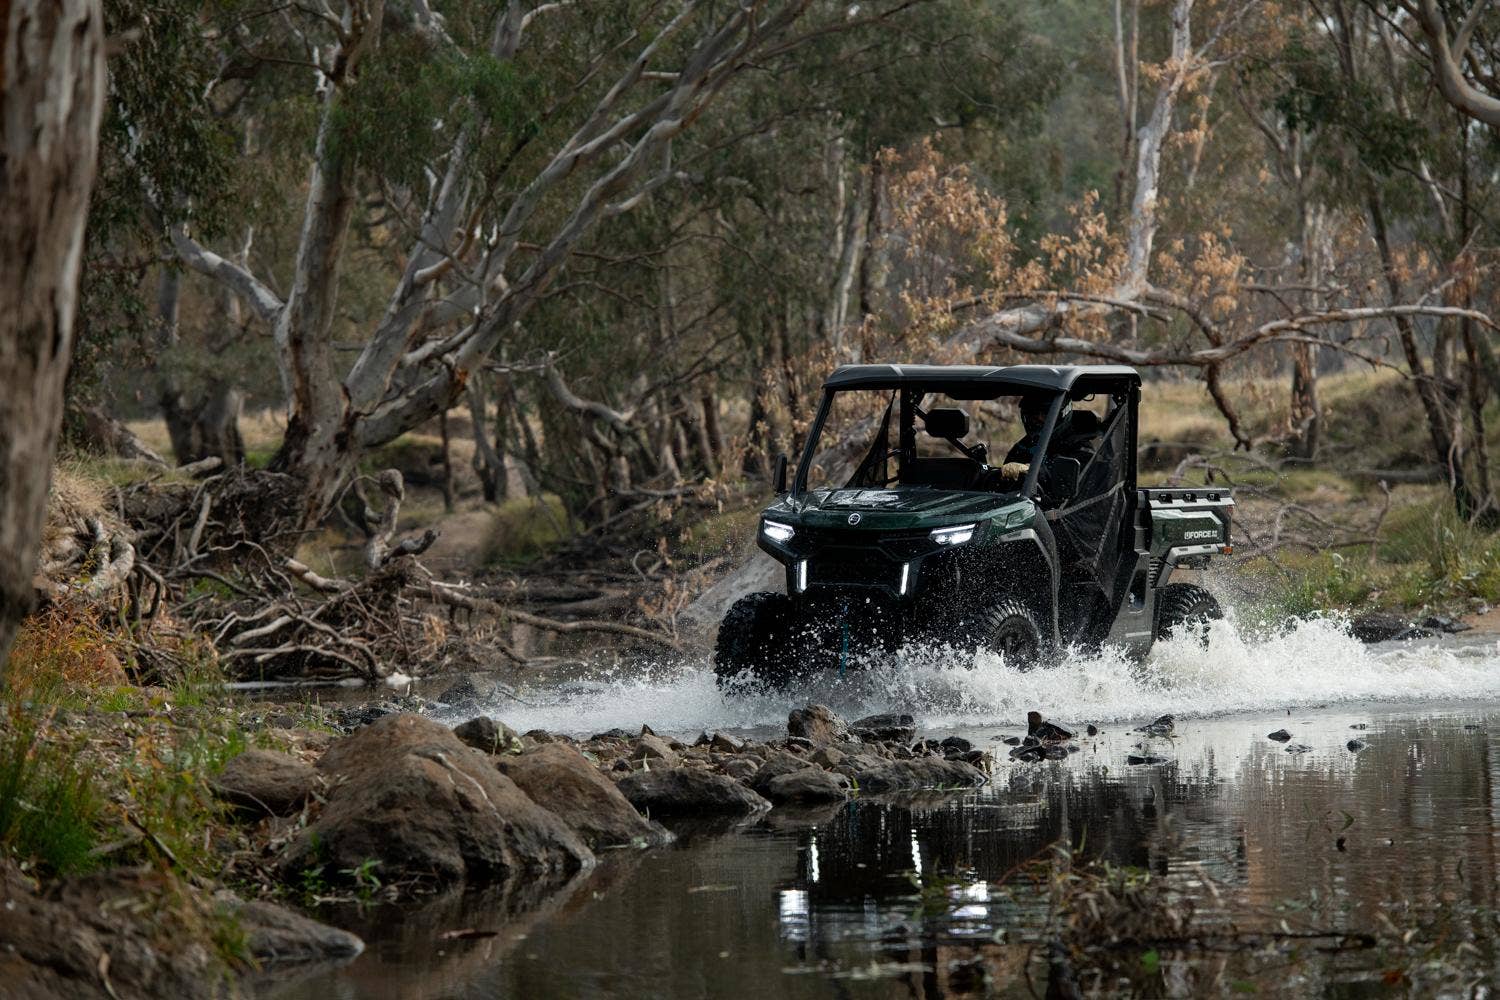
(52,87)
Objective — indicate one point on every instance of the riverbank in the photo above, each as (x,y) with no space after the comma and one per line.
(371,812)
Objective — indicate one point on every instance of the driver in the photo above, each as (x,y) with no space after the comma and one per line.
(1034,407)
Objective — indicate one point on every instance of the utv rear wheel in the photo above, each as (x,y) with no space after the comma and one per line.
(1011,632)
(755,642)
(1185,606)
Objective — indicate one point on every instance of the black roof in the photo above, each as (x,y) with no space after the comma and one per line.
(1057,378)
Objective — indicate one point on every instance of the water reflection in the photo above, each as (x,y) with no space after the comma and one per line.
(921,897)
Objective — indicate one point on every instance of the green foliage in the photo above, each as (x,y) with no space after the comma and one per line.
(164,152)
(50,809)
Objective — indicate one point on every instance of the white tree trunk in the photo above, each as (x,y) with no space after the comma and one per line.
(51,98)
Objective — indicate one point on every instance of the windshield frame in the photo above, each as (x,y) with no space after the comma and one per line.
(825,406)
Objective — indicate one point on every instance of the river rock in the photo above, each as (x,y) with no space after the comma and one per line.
(1355,746)
(1042,731)
(653,748)
(676,790)
(724,743)
(927,772)
(777,764)
(1137,759)
(740,768)
(275,935)
(1280,736)
(806,786)
(265,782)
(1442,623)
(1378,626)
(956,744)
(469,691)
(1298,748)
(407,792)
(484,733)
(1162,725)
(818,723)
(894,727)
(561,780)
(829,757)
(1092,730)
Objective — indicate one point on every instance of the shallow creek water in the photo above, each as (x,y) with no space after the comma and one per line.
(919,896)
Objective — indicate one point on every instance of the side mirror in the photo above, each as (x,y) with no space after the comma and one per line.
(779,477)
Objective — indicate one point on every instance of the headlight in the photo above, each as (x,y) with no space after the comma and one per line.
(776,531)
(956,535)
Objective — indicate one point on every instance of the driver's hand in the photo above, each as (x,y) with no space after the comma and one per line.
(1014,471)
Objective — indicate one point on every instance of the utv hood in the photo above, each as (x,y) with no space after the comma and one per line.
(891,509)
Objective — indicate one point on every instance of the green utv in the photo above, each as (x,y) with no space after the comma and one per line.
(928,540)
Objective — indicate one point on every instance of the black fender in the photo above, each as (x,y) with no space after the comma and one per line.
(1024,565)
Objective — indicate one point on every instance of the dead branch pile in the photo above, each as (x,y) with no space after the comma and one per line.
(219,549)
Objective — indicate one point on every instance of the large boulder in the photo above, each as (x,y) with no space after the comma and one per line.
(926,772)
(563,781)
(807,786)
(678,790)
(265,782)
(409,795)
(818,723)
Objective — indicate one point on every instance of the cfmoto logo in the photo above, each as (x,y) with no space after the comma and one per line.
(854,518)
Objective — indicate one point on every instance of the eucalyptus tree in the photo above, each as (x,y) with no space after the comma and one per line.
(52,65)
(498,139)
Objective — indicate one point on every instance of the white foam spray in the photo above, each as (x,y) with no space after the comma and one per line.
(1311,662)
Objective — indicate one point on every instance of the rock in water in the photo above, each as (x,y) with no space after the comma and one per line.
(1280,736)
(927,772)
(808,785)
(893,726)
(777,763)
(1298,748)
(653,748)
(469,691)
(724,743)
(561,780)
(276,935)
(407,792)
(1355,746)
(1092,730)
(817,723)
(1377,626)
(1161,726)
(1044,731)
(678,790)
(484,733)
(265,783)
(1136,759)
(1442,623)
(956,744)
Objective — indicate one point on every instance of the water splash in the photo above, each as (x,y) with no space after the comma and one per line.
(1309,662)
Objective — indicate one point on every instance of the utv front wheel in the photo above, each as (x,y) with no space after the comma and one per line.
(755,642)
(1186,607)
(1011,632)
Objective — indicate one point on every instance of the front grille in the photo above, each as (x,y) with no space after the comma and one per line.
(853,568)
